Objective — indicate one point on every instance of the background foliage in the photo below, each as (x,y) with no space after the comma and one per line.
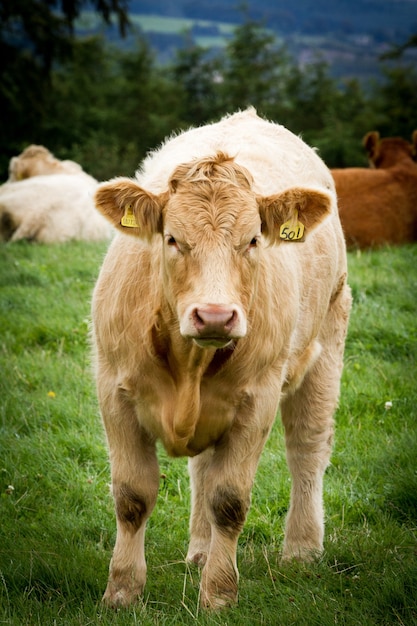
(105,106)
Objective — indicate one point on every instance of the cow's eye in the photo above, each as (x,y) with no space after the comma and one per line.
(253,242)
(171,241)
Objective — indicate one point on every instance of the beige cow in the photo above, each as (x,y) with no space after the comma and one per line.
(51,209)
(222,298)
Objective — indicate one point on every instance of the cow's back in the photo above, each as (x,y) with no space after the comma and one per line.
(276,158)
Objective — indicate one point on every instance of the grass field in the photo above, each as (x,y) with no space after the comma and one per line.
(57,524)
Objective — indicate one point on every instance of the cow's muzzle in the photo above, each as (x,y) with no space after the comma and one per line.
(214,325)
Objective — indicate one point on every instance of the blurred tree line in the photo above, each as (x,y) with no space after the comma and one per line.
(105,107)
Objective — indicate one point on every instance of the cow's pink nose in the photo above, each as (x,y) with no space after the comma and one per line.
(214,320)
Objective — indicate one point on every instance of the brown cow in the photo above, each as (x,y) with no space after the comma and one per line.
(378,205)
(223,297)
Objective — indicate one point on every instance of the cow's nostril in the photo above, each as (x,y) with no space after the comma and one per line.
(197,320)
(232,320)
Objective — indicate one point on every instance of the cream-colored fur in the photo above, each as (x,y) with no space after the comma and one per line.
(51,209)
(206,211)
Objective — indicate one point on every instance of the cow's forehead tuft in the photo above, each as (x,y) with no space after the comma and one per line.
(217,200)
(213,213)
(218,168)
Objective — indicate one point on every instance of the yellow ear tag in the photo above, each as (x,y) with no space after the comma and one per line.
(128,220)
(292,230)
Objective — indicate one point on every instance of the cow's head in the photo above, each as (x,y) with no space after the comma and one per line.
(33,161)
(387,152)
(214,228)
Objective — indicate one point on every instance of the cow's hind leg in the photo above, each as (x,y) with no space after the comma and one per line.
(308,434)
(200,529)
(135,477)
(307,415)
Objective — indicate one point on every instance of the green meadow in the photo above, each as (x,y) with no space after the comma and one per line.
(57,525)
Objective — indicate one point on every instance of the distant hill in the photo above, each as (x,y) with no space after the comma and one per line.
(387,19)
(349,35)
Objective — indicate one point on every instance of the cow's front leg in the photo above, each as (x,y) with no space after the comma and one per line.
(228,505)
(135,478)
(222,480)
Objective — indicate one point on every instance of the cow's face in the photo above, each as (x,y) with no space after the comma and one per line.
(212,234)
(214,230)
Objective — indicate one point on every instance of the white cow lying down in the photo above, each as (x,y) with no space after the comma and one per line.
(39,161)
(222,297)
(51,209)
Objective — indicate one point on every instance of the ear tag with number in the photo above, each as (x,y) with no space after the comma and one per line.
(129,220)
(292,230)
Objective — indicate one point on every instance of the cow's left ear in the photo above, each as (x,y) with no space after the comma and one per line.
(370,143)
(130,208)
(414,144)
(293,213)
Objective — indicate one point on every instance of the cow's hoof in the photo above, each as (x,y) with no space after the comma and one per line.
(218,601)
(117,597)
(303,554)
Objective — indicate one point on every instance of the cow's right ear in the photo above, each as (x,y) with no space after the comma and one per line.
(130,208)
